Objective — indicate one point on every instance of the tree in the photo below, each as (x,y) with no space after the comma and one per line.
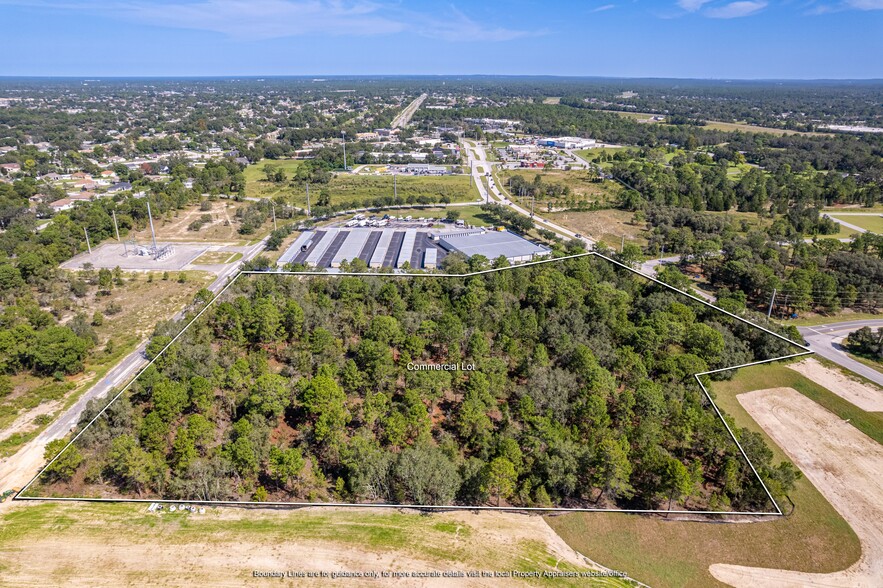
(105,280)
(613,468)
(325,402)
(425,475)
(64,467)
(500,478)
(285,465)
(269,395)
(131,464)
(58,349)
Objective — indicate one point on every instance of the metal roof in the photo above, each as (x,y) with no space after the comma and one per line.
(407,249)
(351,248)
(380,251)
(493,244)
(289,254)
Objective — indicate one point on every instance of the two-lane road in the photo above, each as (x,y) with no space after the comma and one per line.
(18,469)
(826,341)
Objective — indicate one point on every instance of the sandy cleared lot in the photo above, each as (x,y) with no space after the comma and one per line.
(843,463)
(128,547)
(864,396)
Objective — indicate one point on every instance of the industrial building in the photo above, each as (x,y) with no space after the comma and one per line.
(493,244)
(396,247)
(567,143)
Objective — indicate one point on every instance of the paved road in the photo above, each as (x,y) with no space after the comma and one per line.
(478,156)
(825,340)
(405,116)
(18,469)
(650,266)
(846,224)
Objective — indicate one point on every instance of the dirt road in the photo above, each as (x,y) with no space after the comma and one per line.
(843,463)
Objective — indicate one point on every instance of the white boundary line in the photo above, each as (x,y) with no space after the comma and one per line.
(778,511)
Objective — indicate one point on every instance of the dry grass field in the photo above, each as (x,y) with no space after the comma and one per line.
(124,545)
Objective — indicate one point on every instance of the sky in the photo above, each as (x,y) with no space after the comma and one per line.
(717,39)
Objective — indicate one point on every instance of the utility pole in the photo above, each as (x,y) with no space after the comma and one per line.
(395,186)
(115,227)
(275,228)
(88,245)
(343,136)
(622,245)
(152,232)
(772,301)
(308,200)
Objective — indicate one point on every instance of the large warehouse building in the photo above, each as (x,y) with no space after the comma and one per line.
(492,244)
(396,247)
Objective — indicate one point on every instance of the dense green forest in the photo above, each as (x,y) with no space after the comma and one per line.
(747,264)
(578,392)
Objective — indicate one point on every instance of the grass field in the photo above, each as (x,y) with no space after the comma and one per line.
(878,208)
(578,181)
(122,544)
(361,188)
(814,538)
(718,125)
(590,154)
(870,223)
(256,185)
(607,226)
(818,319)
(871,363)
(842,233)
(779,376)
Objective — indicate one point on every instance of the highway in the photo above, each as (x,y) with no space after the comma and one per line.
(18,469)
(825,340)
(405,116)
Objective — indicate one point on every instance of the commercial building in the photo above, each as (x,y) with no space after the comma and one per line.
(394,247)
(493,244)
(567,143)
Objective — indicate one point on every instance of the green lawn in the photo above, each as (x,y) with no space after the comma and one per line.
(256,185)
(579,181)
(814,538)
(836,318)
(873,223)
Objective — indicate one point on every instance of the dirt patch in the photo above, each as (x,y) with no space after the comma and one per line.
(173,227)
(865,396)
(843,463)
(25,422)
(225,546)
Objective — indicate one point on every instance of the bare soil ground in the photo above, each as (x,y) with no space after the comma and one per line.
(123,545)
(865,396)
(843,463)
(602,225)
(173,227)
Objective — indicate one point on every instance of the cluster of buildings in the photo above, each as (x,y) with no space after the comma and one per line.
(402,248)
